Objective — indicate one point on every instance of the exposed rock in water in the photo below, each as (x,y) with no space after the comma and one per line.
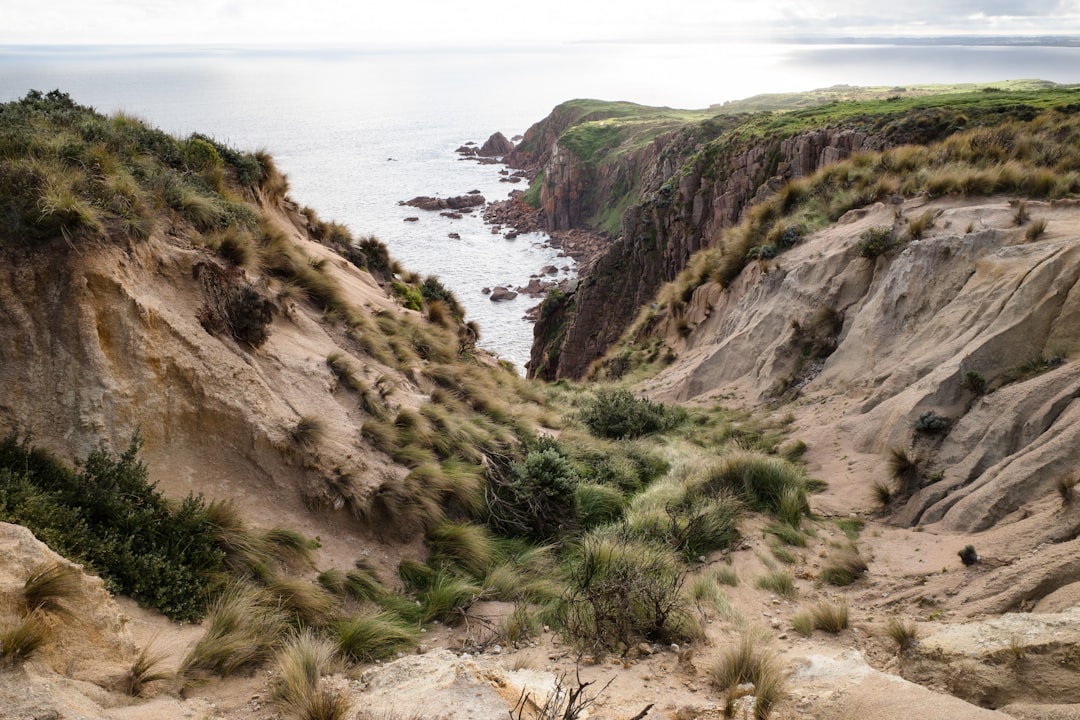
(451,203)
(496,146)
(501,294)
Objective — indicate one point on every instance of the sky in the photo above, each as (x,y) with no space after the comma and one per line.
(484,22)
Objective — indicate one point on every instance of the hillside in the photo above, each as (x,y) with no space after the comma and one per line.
(273,473)
(661,201)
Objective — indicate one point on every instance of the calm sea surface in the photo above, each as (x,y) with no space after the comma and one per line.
(357,132)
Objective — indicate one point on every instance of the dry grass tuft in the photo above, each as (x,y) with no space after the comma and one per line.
(49,586)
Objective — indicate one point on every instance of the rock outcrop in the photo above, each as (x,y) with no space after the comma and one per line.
(496,146)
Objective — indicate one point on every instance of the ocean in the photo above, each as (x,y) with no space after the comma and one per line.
(356,132)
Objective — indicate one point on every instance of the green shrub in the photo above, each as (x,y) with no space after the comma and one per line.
(107,514)
(875,241)
(930,423)
(974,381)
(618,414)
(536,499)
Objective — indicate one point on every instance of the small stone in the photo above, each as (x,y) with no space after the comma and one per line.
(674,647)
(645,649)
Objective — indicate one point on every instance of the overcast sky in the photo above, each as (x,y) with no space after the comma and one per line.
(476,22)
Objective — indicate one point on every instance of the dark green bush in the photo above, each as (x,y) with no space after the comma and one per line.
(618,414)
(536,499)
(107,514)
(930,423)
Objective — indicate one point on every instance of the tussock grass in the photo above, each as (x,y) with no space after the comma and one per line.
(304,603)
(373,636)
(844,567)
(831,617)
(803,623)
(747,661)
(761,480)
(308,431)
(22,639)
(461,545)
(447,596)
(300,663)
(902,633)
(780,582)
(243,630)
(597,504)
(142,672)
(50,586)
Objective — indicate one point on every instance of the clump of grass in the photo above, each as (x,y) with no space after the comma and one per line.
(304,603)
(461,545)
(597,504)
(1017,650)
(142,672)
(1035,230)
(727,576)
(373,636)
(243,629)
(905,469)
(831,617)
(27,636)
(851,527)
(308,430)
(747,662)
(49,586)
(803,623)
(767,483)
(786,533)
(1022,214)
(781,553)
(300,664)
(883,493)
(780,582)
(1066,487)
(844,567)
(917,228)
(903,633)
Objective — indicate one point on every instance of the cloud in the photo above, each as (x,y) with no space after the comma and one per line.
(486,21)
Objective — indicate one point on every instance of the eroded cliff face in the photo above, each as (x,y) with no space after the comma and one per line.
(974,322)
(101,341)
(685,208)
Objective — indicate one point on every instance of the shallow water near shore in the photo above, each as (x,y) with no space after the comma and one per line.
(357,132)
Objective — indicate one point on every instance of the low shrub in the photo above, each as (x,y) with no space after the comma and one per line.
(107,514)
(930,423)
(536,498)
(618,414)
(875,241)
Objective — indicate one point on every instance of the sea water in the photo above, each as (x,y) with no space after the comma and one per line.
(356,132)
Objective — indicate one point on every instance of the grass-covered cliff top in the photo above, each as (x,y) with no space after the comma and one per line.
(604,135)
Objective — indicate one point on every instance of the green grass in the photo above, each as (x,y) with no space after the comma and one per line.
(374,636)
(780,582)
(24,638)
(50,587)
